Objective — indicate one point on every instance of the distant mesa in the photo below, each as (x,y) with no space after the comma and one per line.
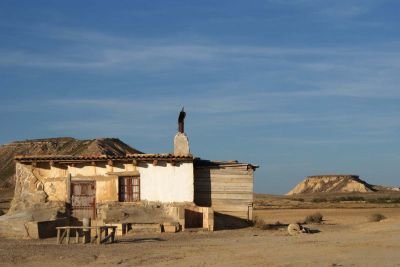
(334,183)
(337,183)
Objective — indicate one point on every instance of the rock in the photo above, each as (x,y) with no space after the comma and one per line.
(171,227)
(294,229)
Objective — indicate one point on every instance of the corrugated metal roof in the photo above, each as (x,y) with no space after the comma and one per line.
(198,162)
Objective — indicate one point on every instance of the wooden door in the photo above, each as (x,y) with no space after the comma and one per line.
(83,199)
(193,219)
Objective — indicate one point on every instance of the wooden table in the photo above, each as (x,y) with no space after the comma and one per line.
(84,231)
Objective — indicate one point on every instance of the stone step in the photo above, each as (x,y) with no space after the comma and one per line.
(171,227)
(145,228)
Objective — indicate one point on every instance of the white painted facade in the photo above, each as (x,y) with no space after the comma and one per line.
(167,183)
(161,182)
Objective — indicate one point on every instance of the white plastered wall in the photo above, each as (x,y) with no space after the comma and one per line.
(161,182)
(167,183)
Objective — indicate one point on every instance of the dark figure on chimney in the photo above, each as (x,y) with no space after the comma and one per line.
(181,121)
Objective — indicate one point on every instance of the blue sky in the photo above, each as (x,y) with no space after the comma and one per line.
(300,87)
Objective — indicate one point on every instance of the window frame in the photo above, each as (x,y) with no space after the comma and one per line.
(126,188)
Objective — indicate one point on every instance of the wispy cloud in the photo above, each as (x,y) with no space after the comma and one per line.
(91,49)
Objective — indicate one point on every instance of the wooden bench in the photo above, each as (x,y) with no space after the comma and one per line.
(65,232)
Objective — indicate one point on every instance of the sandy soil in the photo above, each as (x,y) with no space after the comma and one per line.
(347,238)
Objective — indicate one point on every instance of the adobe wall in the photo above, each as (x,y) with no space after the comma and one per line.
(161,182)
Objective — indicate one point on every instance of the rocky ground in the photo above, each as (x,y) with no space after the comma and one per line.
(346,238)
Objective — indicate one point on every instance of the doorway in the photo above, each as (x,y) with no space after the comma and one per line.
(83,199)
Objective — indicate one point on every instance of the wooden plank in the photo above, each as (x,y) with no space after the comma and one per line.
(214,173)
(99,234)
(224,194)
(217,184)
(224,187)
(108,236)
(68,235)
(239,214)
(215,200)
(221,175)
(234,182)
(228,203)
(229,208)
(58,236)
(77,236)
(62,236)
(221,172)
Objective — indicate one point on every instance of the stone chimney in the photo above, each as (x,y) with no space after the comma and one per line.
(181,142)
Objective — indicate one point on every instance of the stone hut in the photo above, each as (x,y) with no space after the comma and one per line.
(132,190)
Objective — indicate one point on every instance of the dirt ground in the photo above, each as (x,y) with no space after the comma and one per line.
(347,238)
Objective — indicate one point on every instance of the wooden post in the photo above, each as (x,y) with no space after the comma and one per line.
(113,235)
(77,236)
(94,167)
(62,236)
(68,234)
(99,236)
(58,236)
(69,189)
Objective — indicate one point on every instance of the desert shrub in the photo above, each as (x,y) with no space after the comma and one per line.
(376,217)
(1,212)
(314,218)
(260,224)
(346,198)
(299,199)
(380,200)
(319,200)
(352,198)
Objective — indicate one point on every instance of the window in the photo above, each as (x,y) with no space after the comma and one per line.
(129,189)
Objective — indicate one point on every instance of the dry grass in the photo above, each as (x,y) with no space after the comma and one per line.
(314,218)
(260,224)
(376,217)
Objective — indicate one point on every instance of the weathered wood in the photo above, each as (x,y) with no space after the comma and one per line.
(223,180)
(86,237)
(221,172)
(77,236)
(224,195)
(229,202)
(223,187)
(227,189)
(99,234)
(68,235)
(63,231)
(238,214)
(58,236)
(217,176)
(108,236)
(62,236)
(230,208)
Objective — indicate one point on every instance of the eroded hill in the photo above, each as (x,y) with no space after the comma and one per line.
(332,184)
(56,146)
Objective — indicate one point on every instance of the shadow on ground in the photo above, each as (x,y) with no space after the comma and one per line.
(139,240)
